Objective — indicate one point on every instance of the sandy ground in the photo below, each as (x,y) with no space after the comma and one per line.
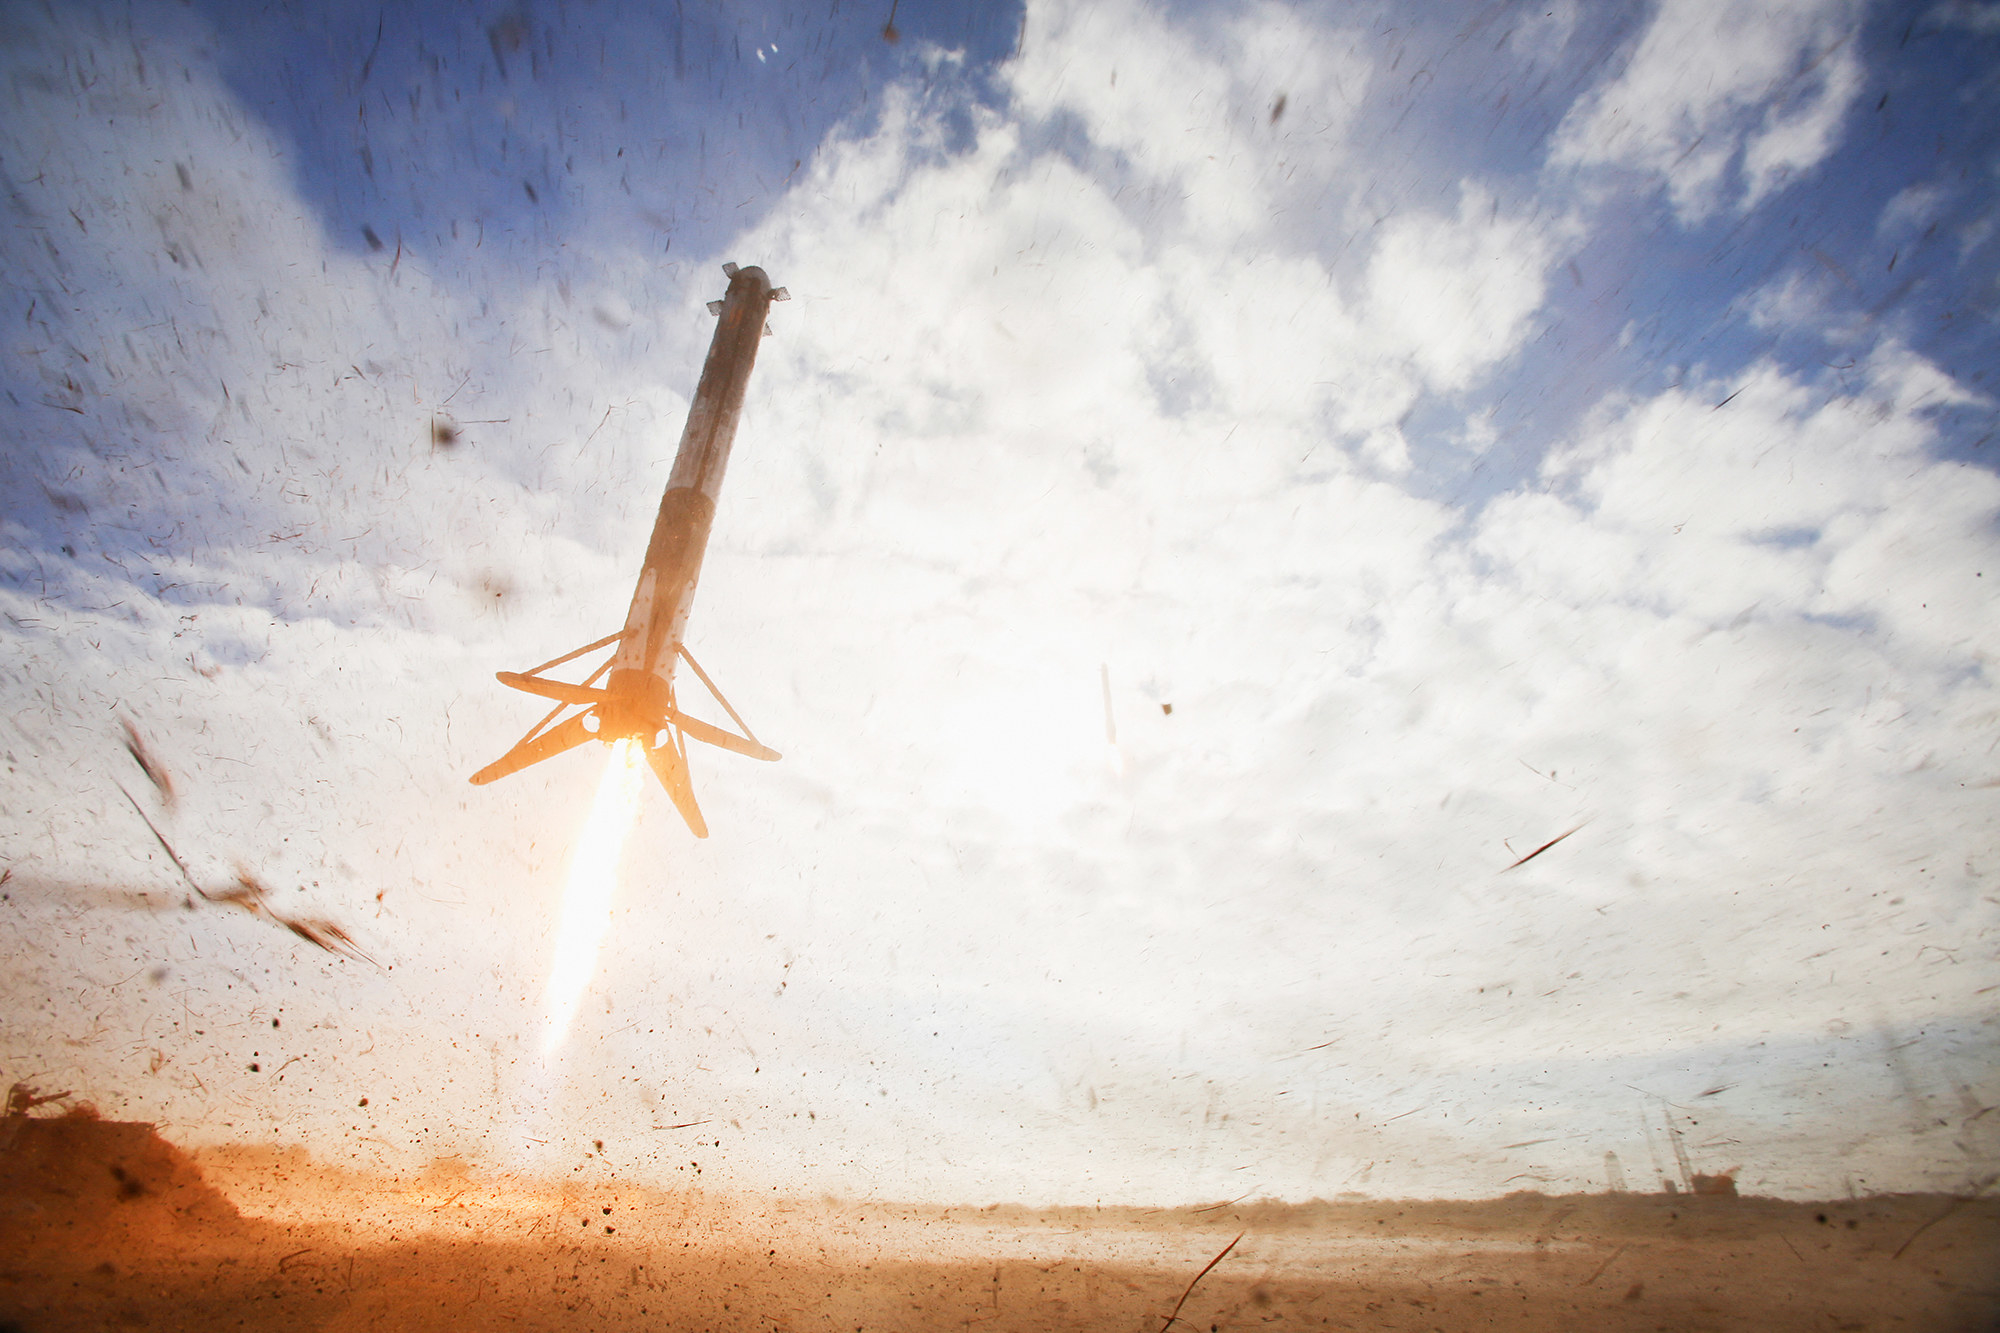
(105,1226)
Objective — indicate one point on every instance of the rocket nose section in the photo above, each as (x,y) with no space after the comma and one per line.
(753,279)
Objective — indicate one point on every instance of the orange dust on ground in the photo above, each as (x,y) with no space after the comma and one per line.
(105,1225)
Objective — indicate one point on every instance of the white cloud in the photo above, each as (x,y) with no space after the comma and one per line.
(1457,294)
(1911,208)
(1543,31)
(1968,14)
(1724,103)
(1196,104)
(1758,496)
(1798,300)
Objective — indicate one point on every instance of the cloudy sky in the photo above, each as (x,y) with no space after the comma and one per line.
(1433,430)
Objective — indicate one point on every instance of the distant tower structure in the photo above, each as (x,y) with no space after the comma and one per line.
(1680,1148)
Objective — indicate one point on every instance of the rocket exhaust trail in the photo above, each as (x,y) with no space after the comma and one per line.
(1114,757)
(636,700)
(593,883)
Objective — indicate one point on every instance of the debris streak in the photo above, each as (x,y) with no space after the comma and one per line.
(1197,1279)
(1543,848)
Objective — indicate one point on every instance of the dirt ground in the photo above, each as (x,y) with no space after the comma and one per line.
(104,1225)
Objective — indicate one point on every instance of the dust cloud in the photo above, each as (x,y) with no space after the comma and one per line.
(107,1225)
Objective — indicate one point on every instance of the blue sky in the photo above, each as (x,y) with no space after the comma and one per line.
(470,115)
(448,110)
(1474,428)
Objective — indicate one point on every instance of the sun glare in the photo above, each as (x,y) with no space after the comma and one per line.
(593,883)
(1026,747)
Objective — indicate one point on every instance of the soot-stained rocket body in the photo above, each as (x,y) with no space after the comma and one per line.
(637,700)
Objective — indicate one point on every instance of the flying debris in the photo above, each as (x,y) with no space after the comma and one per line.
(637,699)
(251,895)
(155,772)
(1543,848)
(21,1098)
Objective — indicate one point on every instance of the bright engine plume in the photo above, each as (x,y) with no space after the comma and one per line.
(593,883)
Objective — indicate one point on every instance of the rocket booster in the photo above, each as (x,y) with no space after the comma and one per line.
(642,667)
(637,700)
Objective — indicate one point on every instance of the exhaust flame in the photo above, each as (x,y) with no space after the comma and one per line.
(593,882)
(1113,757)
